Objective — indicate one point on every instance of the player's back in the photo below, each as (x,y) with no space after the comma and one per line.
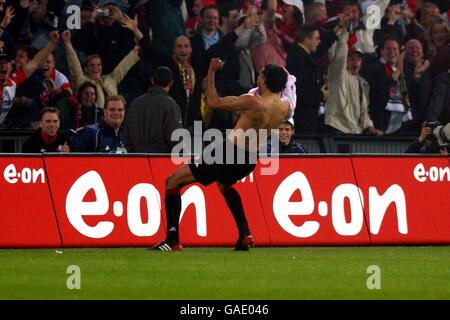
(266,113)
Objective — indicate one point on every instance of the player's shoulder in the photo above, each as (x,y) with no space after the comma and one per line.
(284,106)
(250,96)
(283,102)
(252,100)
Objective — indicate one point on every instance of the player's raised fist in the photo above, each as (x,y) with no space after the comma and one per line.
(215,64)
(54,36)
(66,35)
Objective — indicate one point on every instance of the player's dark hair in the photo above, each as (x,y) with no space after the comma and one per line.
(275,78)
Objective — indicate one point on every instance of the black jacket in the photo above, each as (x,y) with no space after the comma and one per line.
(36,144)
(189,108)
(380,84)
(439,108)
(419,91)
(201,56)
(150,121)
(309,96)
(227,79)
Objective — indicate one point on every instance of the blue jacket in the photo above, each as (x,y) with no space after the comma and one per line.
(292,147)
(98,138)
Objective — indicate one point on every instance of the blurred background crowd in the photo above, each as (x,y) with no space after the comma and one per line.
(132,71)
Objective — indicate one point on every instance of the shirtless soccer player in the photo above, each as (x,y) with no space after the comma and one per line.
(265,111)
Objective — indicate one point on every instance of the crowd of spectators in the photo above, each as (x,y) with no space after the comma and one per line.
(372,67)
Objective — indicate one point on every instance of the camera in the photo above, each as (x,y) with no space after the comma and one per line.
(442,135)
(103,12)
(432,124)
(51,21)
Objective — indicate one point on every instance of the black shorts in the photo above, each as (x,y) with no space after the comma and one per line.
(228,171)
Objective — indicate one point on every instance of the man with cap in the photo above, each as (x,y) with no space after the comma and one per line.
(296,3)
(9,82)
(292,13)
(346,109)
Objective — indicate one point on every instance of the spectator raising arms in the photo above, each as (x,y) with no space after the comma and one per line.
(347,105)
(106,84)
(56,92)
(10,83)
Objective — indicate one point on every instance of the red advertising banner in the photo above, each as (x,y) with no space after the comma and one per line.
(27,218)
(119,201)
(206,219)
(406,200)
(312,201)
(105,201)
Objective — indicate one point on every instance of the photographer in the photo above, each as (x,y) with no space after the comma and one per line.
(398,20)
(433,139)
(106,36)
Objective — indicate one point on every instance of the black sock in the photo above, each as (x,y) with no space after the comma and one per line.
(173,211)
(234,202)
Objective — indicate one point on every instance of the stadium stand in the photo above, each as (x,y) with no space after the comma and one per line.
(359,89)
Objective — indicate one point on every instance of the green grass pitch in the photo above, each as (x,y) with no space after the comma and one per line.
(220,273)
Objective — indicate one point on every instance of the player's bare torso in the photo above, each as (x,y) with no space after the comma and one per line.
(264,113)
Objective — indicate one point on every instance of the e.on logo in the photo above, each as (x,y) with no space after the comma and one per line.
(433,174)
(24,175)
(77,208)
(378,204)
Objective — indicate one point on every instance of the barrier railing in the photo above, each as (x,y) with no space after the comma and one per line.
(354,144)
(11,142)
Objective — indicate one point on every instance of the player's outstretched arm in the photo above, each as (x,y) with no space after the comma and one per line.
(230,103)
